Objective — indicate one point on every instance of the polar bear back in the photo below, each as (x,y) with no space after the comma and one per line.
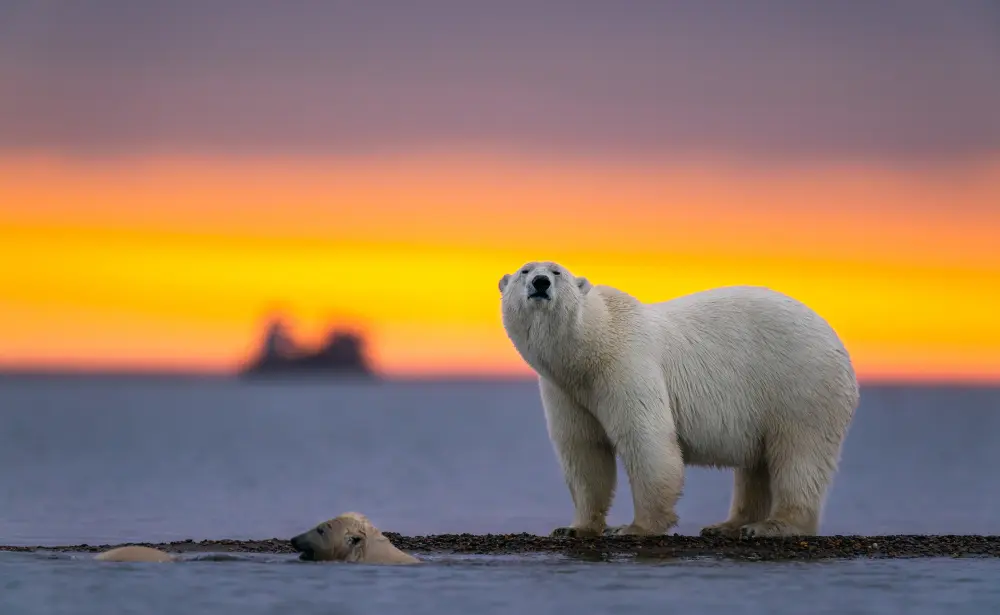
(743,364)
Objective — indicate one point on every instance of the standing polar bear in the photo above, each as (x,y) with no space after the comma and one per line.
(739,377)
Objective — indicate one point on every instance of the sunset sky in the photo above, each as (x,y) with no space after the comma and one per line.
(172,173)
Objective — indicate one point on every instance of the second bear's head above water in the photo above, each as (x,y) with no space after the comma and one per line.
(349,537)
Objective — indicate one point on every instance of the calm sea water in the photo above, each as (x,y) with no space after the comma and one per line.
(112,460)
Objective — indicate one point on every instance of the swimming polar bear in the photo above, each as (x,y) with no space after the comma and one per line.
(134,553)
(350,537)
(739,377)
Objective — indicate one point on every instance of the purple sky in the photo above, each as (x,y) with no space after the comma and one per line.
(776,80)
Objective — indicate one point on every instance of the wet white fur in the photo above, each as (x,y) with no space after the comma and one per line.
(740,377)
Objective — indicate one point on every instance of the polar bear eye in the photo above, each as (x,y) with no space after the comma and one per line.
(556,272)
(353,540)
(524,271)
(320,531)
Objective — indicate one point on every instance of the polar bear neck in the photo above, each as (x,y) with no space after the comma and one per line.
(565,345)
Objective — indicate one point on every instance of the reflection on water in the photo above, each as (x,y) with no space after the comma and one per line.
(109,461)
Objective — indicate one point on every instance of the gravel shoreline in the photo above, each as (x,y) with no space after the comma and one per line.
(653,547)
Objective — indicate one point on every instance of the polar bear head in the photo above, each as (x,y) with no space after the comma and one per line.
(541,288)
(350,537)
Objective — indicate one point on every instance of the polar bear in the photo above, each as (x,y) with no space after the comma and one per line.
(349,537)
(738,377)
(134,553)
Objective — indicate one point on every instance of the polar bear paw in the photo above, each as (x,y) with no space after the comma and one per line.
(770,528)
(729,529)
(575,532)
(630,530)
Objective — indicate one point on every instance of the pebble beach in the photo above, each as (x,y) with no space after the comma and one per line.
(675,546)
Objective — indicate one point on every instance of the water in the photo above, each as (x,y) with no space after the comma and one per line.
(30,583)
(105,461)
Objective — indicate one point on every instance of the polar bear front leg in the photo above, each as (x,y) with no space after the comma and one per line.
(642,428)
(586,457)
(751,501)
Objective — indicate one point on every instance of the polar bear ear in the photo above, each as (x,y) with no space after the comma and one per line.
(503,281)
(584,285)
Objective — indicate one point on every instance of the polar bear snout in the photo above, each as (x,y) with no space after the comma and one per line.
(536,288)
(540,285)
(301,545)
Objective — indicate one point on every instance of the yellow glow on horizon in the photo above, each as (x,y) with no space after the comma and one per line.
(174,262)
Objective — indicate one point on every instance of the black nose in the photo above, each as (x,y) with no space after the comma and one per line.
(541,283)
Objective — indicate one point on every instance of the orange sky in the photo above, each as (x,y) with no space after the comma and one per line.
(172,262)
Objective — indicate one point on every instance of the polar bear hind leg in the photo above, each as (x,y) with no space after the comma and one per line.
(800,473)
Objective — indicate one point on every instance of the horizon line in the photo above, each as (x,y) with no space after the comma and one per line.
(333,378)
